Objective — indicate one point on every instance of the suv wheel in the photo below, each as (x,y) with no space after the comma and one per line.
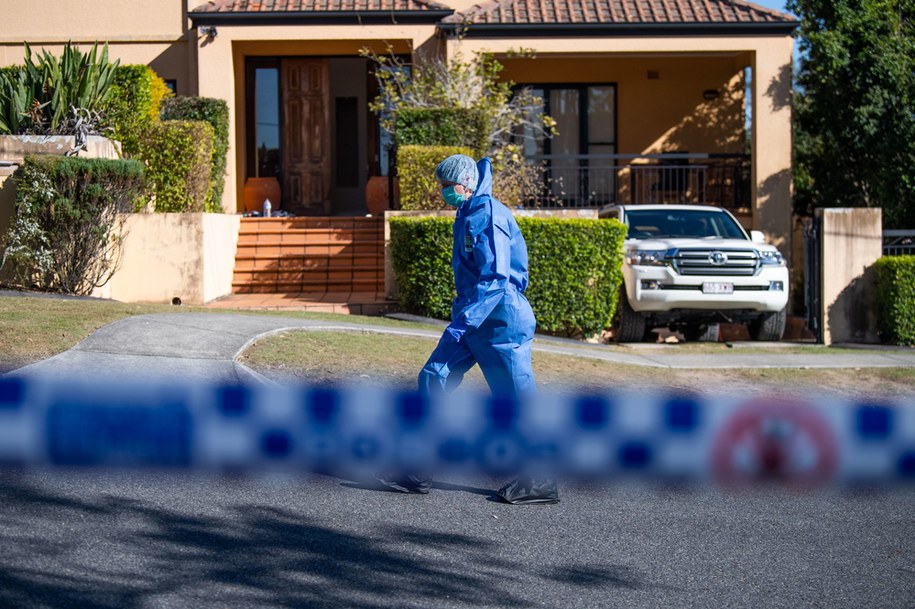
(769,326)
(706,333)
(628,326)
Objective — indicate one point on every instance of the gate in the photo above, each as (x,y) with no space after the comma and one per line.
(813,275)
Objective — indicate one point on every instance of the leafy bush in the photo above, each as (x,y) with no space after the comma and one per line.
(56,96)
(67,232)
(896,287)
(179,156)
(216,113)
(416,174)
(442,127)
(133,106)
(575,269)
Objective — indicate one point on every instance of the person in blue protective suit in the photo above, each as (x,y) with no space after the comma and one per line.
(492,323)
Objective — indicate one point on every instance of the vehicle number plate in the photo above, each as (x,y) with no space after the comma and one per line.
(713,287)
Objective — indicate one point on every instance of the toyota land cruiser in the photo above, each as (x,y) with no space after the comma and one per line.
(690,267)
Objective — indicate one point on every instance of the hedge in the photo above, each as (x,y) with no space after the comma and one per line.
(574,265)
(66,233)
(179,158)
(442,127)
(896,289)
(216,113)
(133,106)
(416,174)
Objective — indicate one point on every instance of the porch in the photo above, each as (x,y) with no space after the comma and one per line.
(592,181)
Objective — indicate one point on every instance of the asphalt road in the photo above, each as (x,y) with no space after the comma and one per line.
(124,541)
(90,540)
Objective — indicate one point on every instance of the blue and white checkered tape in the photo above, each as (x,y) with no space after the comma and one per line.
(730,440)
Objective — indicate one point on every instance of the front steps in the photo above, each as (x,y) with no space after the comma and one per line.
(332,263)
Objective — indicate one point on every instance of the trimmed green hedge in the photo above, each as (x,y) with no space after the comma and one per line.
(133,106)
(179,157)
(896,290)
(66,233)
(575,270)
(416,174)
(442,127)
(216,113)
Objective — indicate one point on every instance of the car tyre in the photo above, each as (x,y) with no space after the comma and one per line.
(628,325)
(705,333)
(769,326)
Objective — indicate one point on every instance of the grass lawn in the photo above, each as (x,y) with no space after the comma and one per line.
(332,357)
(33,328)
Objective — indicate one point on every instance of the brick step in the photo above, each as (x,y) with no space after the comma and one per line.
(307,274)
(326,264)
(337,249)
(310,222)
(300,234)
(273,241)
(294,287)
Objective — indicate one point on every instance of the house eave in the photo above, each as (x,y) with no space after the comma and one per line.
(430,17)
(603,30)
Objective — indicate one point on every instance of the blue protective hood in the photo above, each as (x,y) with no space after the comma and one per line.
(484,185)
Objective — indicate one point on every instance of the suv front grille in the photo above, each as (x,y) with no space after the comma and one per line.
(707,261)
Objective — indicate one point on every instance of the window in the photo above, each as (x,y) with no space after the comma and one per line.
(263,112)
(578,158)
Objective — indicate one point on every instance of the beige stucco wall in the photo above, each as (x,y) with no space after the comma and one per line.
(851,242)
(167,256)
(663,114)
(222,62)
(150,32)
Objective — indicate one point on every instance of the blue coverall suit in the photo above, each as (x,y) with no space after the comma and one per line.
(492,322)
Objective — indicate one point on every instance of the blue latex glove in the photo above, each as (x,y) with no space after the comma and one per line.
(455,330)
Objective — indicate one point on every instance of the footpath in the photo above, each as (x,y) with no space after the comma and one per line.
(204,346)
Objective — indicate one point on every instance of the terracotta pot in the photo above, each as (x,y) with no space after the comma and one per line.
(258,190)
(376,195)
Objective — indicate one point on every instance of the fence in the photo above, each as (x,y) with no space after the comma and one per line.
(899,243)
(582,181)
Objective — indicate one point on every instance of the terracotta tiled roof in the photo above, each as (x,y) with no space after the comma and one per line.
(607,12)
(315,6)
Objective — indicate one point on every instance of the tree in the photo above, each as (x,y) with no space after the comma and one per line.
(855,107)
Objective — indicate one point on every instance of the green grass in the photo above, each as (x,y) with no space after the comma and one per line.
(33,328)
(333,357)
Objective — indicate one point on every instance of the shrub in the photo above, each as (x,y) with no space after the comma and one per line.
(466,127)
(179,157)
(896,287)
(575,270)
(133,106)
(56,96)
(216,113)
(67,232)
(416,174)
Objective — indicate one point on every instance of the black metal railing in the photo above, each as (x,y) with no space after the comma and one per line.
(582,181)
(898,242)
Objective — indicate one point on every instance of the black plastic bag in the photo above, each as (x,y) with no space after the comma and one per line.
(527,490)
(406,483)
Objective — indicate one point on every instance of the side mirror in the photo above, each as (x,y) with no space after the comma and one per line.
(757,236)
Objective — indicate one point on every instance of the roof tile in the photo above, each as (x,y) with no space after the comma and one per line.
(617,11)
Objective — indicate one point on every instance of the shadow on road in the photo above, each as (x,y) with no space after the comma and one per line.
(110,552)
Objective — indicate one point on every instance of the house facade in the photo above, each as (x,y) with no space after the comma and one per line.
(655,100)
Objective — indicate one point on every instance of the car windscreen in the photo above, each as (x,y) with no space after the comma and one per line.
(691,223)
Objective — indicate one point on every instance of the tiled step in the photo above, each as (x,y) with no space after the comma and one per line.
(321,255)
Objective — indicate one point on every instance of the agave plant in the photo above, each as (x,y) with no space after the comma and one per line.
(41,96)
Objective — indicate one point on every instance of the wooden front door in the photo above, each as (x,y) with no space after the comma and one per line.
(306,136)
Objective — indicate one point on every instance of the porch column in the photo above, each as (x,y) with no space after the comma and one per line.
(771,180)
(216,78)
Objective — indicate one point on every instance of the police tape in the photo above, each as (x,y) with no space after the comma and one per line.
(643,436)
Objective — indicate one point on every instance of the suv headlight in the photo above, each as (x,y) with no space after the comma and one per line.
(646,257)
(773,258)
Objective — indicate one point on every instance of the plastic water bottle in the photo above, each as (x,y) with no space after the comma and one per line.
(268,208)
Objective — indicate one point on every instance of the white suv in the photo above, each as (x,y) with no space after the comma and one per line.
(689,267)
